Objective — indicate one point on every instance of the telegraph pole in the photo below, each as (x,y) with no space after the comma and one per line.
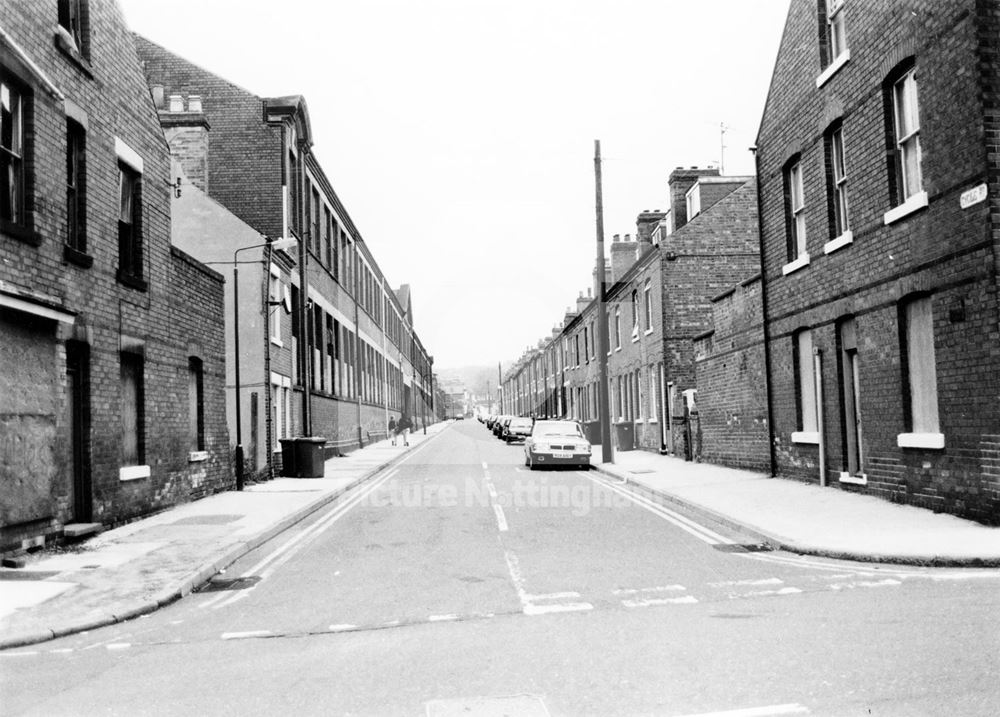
(602,319)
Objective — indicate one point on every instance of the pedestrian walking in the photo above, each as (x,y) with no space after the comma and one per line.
(403,427)
(392,429)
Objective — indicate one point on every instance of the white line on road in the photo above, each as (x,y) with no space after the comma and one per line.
(118,645)
(442,618)
(765,593)
(530,609)
(735,583)
(341,628)
(655,589)
(865,584)
(769,711)
(246,635)
(501,518)
(689,526)
(650,602)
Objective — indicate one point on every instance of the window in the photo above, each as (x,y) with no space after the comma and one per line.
(196,404)
(805,387)
(906,136)
(133,444)
(651,373)
(850,390)
(838,181)
(836,33)
(315,210)
(920,369)
(12,184)
(586,344)
(692,201)
(618,328)
(275,309)
(71,20)
(327,242)
(635,314)
(76,206)
(647,303)
(129,224)
(795,207)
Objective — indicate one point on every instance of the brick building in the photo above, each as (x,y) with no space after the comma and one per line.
(732,427)
(879,194)
(659,299)
(346,358)
(111,348)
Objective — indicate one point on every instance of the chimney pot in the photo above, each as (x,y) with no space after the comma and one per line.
(194,103)
(176,103)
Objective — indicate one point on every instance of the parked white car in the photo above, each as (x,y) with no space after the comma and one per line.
(556,443)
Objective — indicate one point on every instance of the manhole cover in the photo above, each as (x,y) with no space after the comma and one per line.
(219,584)
(207,520)
(742,548)
(27,574)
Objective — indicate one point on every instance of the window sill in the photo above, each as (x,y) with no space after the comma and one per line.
(806,437)
(795,265)
(840,242)
(127,473)
(197,456)
(648,331)
(69,49)
(134,282)
(860,479)
(21,232)
(917,201)
(653,420)
(931,441)
(617,348)
(833,68)
(75,256)
(277,342)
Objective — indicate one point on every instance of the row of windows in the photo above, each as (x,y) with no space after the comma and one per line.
(343,364)
(919,380)
(905,178)
(15,185)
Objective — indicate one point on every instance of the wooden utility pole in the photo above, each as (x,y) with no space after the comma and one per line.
(602,319)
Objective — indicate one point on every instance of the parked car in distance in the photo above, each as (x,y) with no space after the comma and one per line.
(498,425)
(502,426)
(556,443)
(518,429)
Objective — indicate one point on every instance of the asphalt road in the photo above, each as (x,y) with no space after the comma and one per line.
(462,583)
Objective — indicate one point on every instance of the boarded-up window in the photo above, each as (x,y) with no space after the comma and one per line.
(806,381)
(132,438)
(921,367)
(196,404)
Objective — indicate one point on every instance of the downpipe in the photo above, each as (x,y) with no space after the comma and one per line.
(820,428)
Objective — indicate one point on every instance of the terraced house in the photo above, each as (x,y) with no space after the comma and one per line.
(879,193)
(111,348)
(335,353)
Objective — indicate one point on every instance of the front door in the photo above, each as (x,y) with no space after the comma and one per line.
(77,418)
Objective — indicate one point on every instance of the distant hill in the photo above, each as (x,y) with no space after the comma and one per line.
(475,379)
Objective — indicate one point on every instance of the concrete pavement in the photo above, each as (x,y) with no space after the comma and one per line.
(141,566)
(144,565)
(806,518)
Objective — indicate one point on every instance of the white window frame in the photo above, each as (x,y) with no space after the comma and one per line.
(838,169)
(906,126)
(925,427)
(618,329)
(806,394)
(692,201)
(647,301)
(836,29)
(797,207)
(275,288)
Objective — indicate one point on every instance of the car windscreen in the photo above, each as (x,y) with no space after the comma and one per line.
(557,429)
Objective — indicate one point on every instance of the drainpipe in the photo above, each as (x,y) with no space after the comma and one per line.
(385,357)
(357,339)
(818,378)
(771,457)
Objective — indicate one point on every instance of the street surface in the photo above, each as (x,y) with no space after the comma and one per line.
(460,582)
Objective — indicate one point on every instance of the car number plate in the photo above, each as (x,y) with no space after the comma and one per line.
(562,454)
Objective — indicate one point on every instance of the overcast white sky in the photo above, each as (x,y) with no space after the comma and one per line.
(459,133)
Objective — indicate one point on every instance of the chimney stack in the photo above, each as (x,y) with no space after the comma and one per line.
(186,132)
(623,256)
(680,181)
(645,223)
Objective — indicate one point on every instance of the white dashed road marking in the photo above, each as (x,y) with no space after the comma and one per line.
(769,711)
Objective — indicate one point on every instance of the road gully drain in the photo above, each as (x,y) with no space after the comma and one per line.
(219,584)
(743,548)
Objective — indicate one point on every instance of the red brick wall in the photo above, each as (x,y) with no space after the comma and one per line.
(942,249)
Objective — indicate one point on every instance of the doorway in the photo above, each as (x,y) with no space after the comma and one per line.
(77,402)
